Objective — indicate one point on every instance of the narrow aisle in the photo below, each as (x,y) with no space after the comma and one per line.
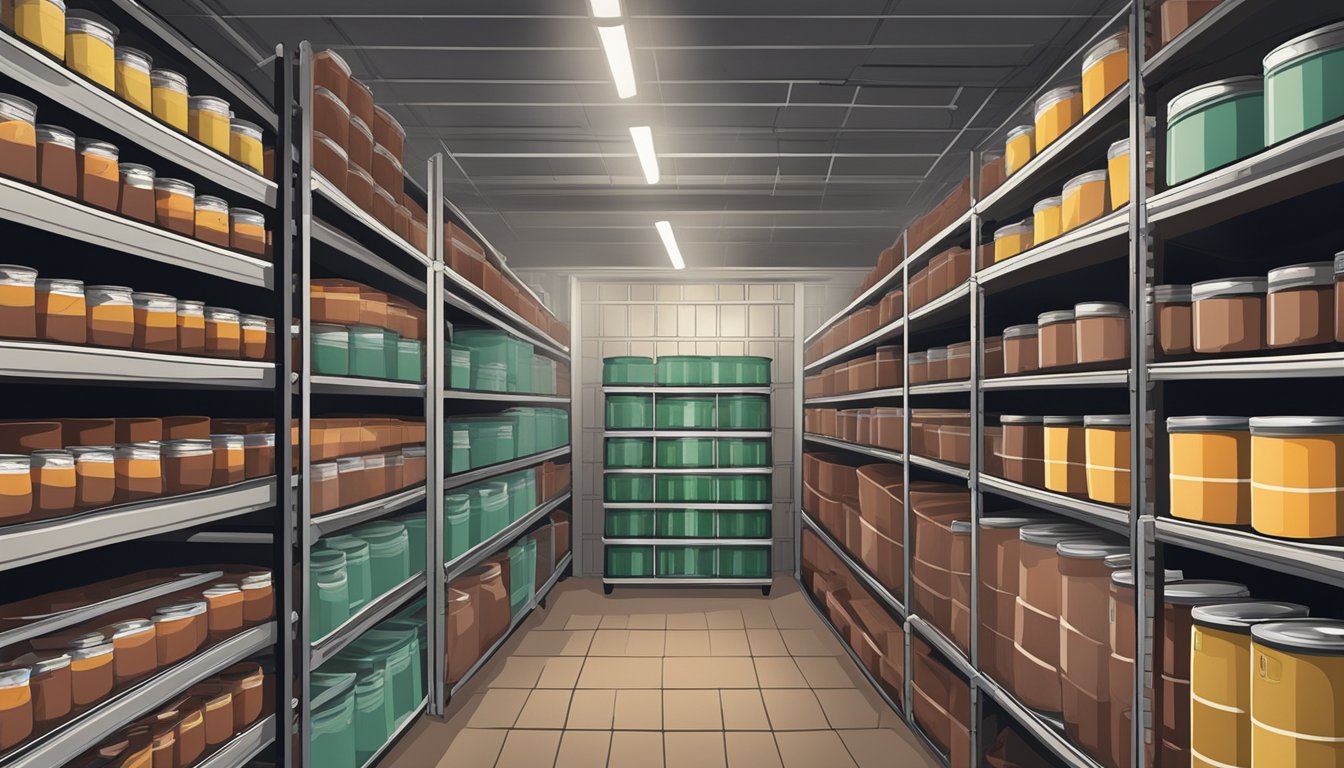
(685,677)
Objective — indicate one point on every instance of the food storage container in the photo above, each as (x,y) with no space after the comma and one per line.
(389,553)
(95,476)
(1213,125)
(1300,309)
(1057,111)
(1102,332)
(360,146)
(1173,319)
(1055,339)
(684,453)
(744,524)
(1085,567)
(169,98)
(684,412)
(1046,219)
(254,335)
(111,315)
(223,332)
(40,22)
(959,361)
(175,205)
(743,412)
(208,122)
(919,368)
(1108,458)
(18,138)
(359,187)
(386,170)
(1105,68)
(631,371)
(53,481)
(1012,239)
(91,669)
(229,460)
(19,313)
(188,465)
(1023,449)
(992,173)
(669,488)
(1301,83)
(247,231)
(630,452)
(1039,597)
(936,359)
(90,47)
(1295,476)
(1019,148)
(685,524)
(629,411)
(212,220)
(49,684)
(155,322)
(686,562)
(1084,200)
(1229,315)
(137,192)
(1210,468)
(56,165)
(99,178)
(1117,173)
(629,488)
(1065,455)
(245,144)
(1021,349)
(1179,15)
(629,561)
(133,84)
(738,370)
(682,370)
(738,452)
(743,563)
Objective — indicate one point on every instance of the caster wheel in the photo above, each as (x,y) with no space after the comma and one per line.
(765,591)
(606,588)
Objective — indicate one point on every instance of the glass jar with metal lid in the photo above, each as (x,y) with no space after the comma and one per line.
(1046,219)
(139,468)
(208,122)
(111,315)
(258,597)
(212,220)
(245,144)
(1229,314)
(1101,329)
(18,138)
(169,98)
(132,75)
(91,669)
(223,332)
(1300,309)
(1019,148)
(1055,339)
(247,231)
(1108,458)
(1117,173)
(40,22)
(1085,199)
(16,706)
(54,481)
(95,475)
(49,683)
(61,311)
(190,327)
(16,487)
(99,177)
(1213,125)
(188,465)
(229,461)
(134,652)
(175,205)
(56,166)
(1210,468)
(179,629)
(1057,110)
(254,332)
(1105,68)
(224,609)
(155,322)
(137,192)
(1021,348)
(1012,239)
(90,47)
(18,301)
(1173,319)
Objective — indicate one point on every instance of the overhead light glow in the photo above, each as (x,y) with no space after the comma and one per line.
(606,9)
(618,58)
(670,243)
(642,135)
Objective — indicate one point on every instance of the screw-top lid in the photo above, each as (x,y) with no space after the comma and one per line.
(1110,420)
(1018,331)
(15,108)
(1204,592)
(1316,273)
(1091,549)
(98,148)
(1047,203)
(936,354)
(1212,93)
(1051,534)
(1017,419)
(1020,228)
(55,134)
(167,78)
(1324,38)
(1125,577)
(1062,421)
(1208,424)
(135,57)
(246,128)
(1021,130)
(175,186)
(1108,45)
(1171,294)
(1288,426)
(1315,636)
(1053,317)
(1118,561)
(1117,149)
(1090,177)
(209,104)
(1054,96)
(88,23)
(1240,617)
(1100,309)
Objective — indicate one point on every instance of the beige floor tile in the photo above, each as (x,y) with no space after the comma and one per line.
(647,621)
(728,642)
(811,749)
(687,621)
(474,746)
(583,749)
(646,642)
(614,621)
(636,749)
(529,749)
(805,642)
(620,672)
(518,672)
(583,621)
(743,710)
(498,708)
(638,710)
(758,617)
(883,747)
(554,642)
(793,613)
(824,672)
(692,711)
(847,708)
(591,710)
(766,641)
(793,710)
(686,642)
(779,672)
(544,709)
(751,750)
(560,672)
(728,619)
(709,672)
(609,642)
(694,750)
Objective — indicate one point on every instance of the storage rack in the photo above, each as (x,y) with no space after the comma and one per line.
(656,541)
(1136,235)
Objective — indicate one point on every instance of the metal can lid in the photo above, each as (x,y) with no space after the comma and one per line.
(1240,617)
(1208,424)
(1109,420)
(1287,426)
(1313,274)
(1100,309)
(1055,316)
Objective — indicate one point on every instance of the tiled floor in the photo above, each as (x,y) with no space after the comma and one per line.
(645,678)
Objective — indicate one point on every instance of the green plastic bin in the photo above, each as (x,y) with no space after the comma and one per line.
(543,375)
(410,361)
(490,510)
(457,439)
(686,562)
(686,488)
(522,494)
(1304,83)
(739,452)
(685,453)
(414,635)
(745,524)
(368,356)
(683,371)
(629,524)
(744,412)
(625,561)
(459,367)
(522,574)
(328,591)
(331,350)
(416,525)
(332,740)
(374,720)
(688,412)
(490,377)
(743,371)
(744,489)
(527,434)
(629,488)
(456,525)
(1214,125)
(629,452)
(491,438)
(627,371)
(685,524)
(389,554)
(358,571)
(744,562)
(629,411)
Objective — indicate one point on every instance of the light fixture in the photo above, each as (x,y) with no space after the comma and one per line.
(670,243)
(618,58)
(606,9)
(642,135)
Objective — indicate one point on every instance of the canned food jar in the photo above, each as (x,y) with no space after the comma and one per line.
(137,192)
(360,146)
(168,96)
(212,220)
(1117,173)
(95,475)
(139,468)
(57,169)
(1085,567)
(1057,111)
(1012,239)
(1036,637)
(223,332)
(1055,339)
(1021,348)
(1019,148)
(1293,663)
(111,315)
(18,301)
(247,231)
(191,327)
(1302,78)
(1220,677)
(1108,458)
(49,682)
(1065,455)
(253,330)
(133,67)
(1297,490)
(1210,477)
(1229,314)
(54,481)
(1023,449)
(16,487)
(1214,125)
(155,322)
(90,48)
(245,144)
(1300,309)
(175,205)
(1046,221)
(208,122)
(1174,319)
(259,454)
(18,138)
(1105,68)
(99,177)
(42,23)
(1084,200)
(1102,332)
(230,460)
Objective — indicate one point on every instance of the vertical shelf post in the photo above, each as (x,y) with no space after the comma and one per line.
(434,415)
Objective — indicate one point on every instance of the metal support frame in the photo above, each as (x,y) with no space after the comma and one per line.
(435,364)
(300,624)
(977,439)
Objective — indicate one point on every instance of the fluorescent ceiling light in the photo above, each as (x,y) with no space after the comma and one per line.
(670,243)
(642,135)
(606,9)
(618,58)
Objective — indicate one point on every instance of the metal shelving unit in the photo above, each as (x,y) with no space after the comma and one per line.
(1093,243)
(940,466)
(872,394)
(370,615)
(942,308)
(49,360)
(874,586)
(474,556)
(940,388)
(866,450)
(1114,519)
(871,341)
(473,476)
(1314,365)
(1070,380)
(329,523)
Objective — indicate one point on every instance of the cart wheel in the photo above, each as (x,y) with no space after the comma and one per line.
(765,591)
(606,588)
